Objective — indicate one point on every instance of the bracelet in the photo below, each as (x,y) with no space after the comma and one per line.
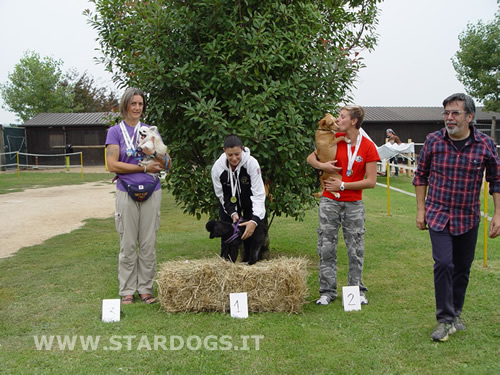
(145,167)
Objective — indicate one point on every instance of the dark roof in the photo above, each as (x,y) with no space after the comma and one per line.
(399,114)
(385,114)
(70,119)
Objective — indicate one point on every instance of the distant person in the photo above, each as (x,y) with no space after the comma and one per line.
(357,163)
(451,166)
(393,138)
(138,199)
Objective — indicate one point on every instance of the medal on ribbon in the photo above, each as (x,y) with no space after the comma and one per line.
(130,142)
(352,156)
(234,185)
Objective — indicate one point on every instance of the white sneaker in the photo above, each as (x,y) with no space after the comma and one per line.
(323,300)
(363,300)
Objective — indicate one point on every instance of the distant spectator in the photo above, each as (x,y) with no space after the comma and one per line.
(393,138)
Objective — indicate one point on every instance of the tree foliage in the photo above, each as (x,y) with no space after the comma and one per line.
(266,70)
(35,86)
(87,96)
(477,62)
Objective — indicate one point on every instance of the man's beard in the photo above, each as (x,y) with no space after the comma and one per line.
(451,130)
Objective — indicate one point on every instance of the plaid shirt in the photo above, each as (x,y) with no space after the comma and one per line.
(455,177)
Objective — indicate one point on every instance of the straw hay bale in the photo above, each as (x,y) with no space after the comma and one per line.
(277,285)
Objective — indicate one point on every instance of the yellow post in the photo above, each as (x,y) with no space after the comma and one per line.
(388,172)
(81,163)
(67,163)
(105,159)
(485,256)
(17,160)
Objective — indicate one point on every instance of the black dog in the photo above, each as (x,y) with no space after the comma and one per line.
(254,247)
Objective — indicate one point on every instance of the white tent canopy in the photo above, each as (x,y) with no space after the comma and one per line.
(390,150)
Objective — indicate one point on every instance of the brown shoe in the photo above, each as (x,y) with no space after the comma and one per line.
(147,298)
(127,300)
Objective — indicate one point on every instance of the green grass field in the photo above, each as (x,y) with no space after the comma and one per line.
(56,289)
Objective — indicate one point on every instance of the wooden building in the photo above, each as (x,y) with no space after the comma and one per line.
(59,133)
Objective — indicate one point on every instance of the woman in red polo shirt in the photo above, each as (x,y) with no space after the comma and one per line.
(357,164)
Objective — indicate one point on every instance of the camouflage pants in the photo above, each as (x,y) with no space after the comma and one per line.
(333,214)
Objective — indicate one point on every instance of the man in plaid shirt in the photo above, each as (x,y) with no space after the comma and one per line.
(451,166)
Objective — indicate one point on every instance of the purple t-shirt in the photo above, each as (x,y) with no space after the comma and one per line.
(115,137)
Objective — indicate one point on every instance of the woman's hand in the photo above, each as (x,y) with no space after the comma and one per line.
(332,185)
(249,229)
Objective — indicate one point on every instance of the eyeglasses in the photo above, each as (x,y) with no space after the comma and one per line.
(452,113)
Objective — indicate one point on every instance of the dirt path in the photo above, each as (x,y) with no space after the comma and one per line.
(30,217)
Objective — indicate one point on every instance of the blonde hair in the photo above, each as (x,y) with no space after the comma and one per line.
(356,112)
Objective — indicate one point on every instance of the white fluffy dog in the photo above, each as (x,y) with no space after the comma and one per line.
(147,141)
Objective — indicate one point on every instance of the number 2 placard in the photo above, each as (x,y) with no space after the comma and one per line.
(350,297)
(238,304)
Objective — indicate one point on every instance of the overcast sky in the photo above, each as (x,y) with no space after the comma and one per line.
(411,65)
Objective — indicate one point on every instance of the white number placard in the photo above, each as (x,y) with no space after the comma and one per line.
(110,310)
(238,305)
(350,298)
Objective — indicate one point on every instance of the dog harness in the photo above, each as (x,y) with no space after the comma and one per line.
(236,232)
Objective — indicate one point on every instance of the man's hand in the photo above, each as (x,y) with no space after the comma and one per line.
(495,226)
(421,223)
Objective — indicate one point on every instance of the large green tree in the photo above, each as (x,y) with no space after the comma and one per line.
(477,62)
(267,70)
(35,86)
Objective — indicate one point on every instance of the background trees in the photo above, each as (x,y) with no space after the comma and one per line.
(38,85)
(266,70)
(477,62)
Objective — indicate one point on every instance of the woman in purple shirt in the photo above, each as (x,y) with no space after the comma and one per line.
(138,199)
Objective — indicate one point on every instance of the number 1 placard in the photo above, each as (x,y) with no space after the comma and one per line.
(238,305)
(351,298)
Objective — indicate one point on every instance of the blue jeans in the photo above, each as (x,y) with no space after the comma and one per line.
(453,256)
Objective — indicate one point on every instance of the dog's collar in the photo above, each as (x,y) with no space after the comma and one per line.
(236,232)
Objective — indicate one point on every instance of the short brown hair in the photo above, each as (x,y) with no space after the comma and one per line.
(356,112)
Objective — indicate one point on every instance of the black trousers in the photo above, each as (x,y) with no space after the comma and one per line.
(453,256)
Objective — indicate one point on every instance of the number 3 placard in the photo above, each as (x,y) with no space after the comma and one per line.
(350,298)
(239,305)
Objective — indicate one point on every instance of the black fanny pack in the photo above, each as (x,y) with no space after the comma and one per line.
(139,193)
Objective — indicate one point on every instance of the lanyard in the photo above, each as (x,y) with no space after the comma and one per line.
(351,157)
(129,142)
